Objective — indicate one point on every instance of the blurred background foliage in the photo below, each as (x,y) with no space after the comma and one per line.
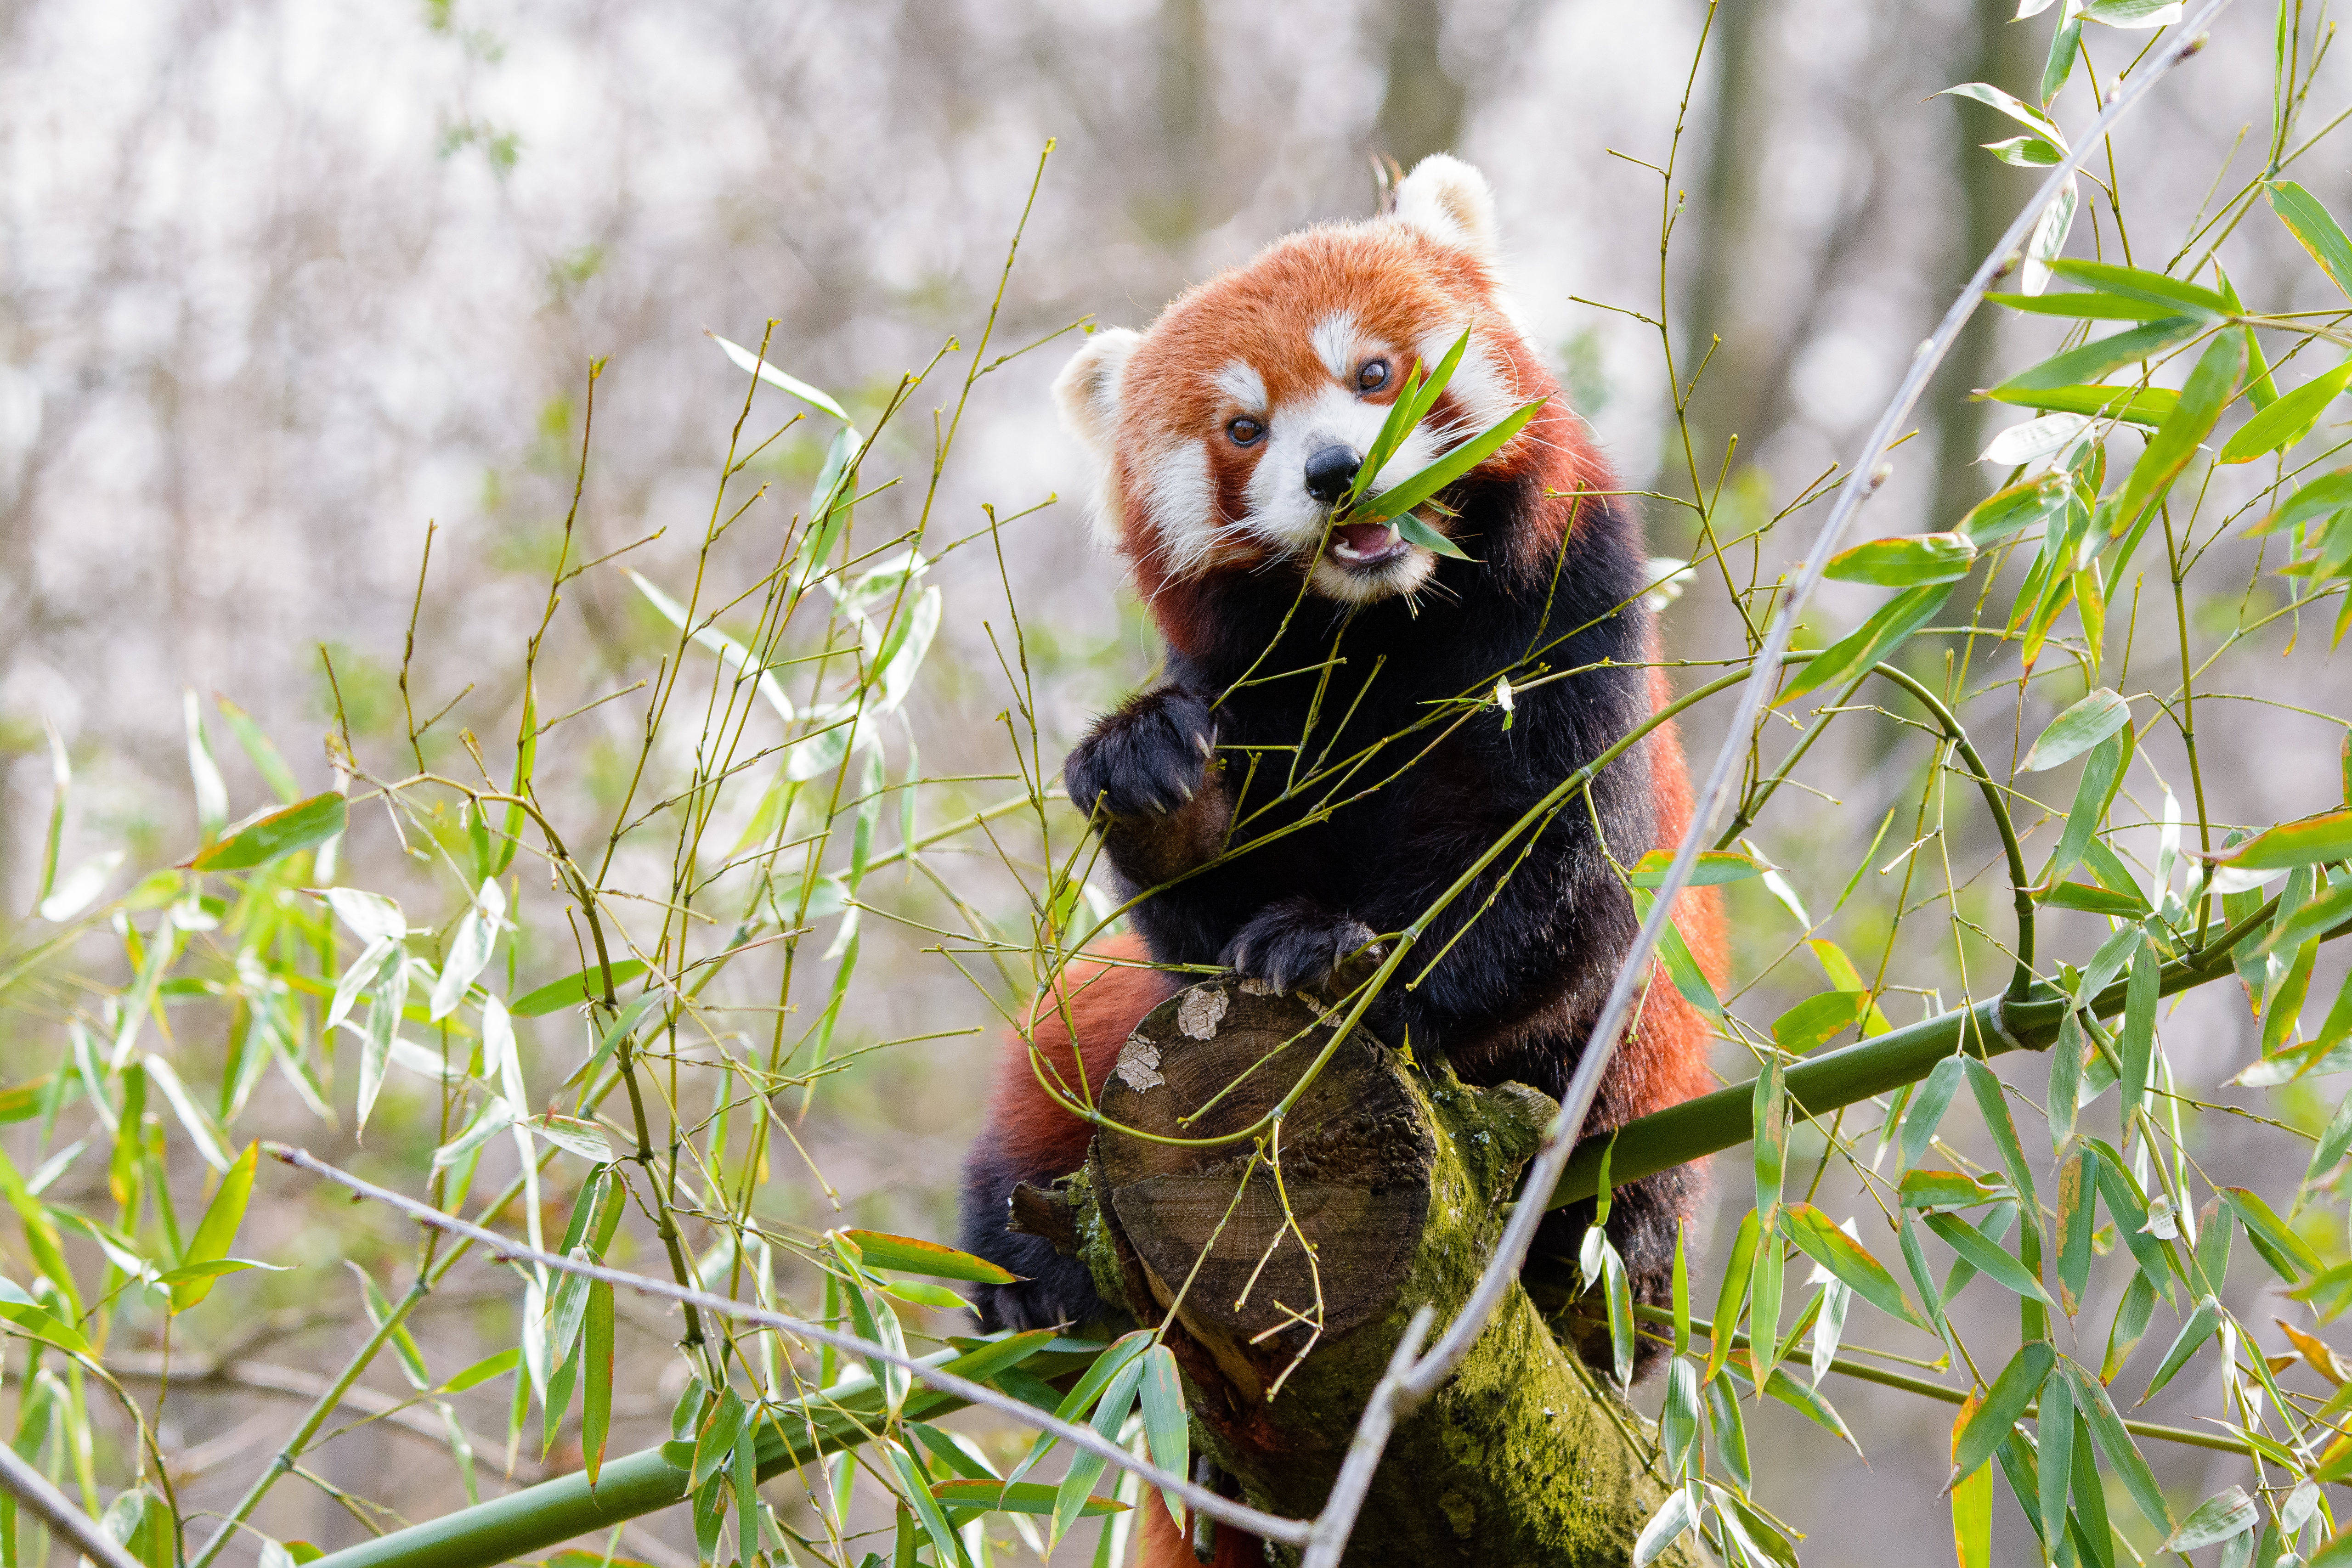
(280,285)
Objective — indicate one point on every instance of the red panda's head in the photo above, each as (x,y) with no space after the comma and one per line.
(1226,429)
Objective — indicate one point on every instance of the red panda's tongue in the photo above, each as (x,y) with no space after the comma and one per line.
(1364,541)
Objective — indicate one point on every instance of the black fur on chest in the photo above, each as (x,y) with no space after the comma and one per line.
(1364,765)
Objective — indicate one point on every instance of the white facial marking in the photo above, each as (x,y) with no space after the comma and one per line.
(1334,338)
(1181,499)
(1481,386)
(1241,386)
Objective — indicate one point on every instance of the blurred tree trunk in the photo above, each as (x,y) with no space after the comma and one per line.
(1732,397)
(1422,109)
(1997,50)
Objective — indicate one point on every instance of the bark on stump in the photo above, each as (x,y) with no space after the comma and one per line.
(1293,1282)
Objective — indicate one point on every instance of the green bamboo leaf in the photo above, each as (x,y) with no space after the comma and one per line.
(1812,1022)
(2094,900)
(1807,1402)
(2056,1428)
(2094,793)
(217,1232)
(876,1324)
(1733,1292)
(2217,1519)
(1674,1518)
(2014,510)
(2287,420)
(1923,1189)
(2211,384)
(1019,1497)
(1074,1405)
(2288,1254)
(753,364)
(1906,561)
(2082,727)
(2311,841)
(1769,1113)
(1714,868)
(1987,1256)
(2146,406)
(1870,643)
(2193,1334)
(2314,228)
(1109,1415)
(2078,1184)
(1992,1104)
(1424,485)
(1819,1237)
(714,1438)
(596,1391)
(1727,1428)
(1678,1419)
(947,1547)
(907,1255)
(1167,1431)
(574,991)
(1415,532)
(1985,1427)
(260,751)
(2138,1041)
(2077,367)
(2025,114)
(496,1364)
(2088,307)
(2142,285)
(2115,1442)
(1928,1103)
(302,826)
(2301,929)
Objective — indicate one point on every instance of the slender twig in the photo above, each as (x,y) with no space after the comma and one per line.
(1240,1516)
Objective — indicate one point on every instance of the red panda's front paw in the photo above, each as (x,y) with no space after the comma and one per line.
(1296,945)
(1147,760)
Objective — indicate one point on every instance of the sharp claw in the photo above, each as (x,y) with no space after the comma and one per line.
(1207,746)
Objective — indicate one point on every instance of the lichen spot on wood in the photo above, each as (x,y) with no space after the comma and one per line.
(1201,1010)
(1138,1064)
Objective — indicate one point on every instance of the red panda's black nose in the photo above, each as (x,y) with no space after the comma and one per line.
(1331,471)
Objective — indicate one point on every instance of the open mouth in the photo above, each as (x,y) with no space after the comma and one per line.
(1365,544)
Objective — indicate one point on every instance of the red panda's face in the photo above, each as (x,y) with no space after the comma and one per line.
(1230,428)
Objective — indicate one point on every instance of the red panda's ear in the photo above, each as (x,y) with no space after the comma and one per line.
(1087,392)
(1450,201)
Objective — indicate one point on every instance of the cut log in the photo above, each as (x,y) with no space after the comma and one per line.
(1293,1260)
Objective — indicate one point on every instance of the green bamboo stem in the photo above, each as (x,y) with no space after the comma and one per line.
(528,1521)
(1726,1119)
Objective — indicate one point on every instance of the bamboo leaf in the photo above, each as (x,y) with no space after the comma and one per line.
(1868,644)
(2211,384)
(2082,727)
(2193,1334)
(1167,1431)
(217,1232)
(301,826)
(2216,1519)
(1982,1427)
(1905,562)
(1987,1256)
(907,1255)
(2116,1444)
(1424,485)
(2142,285)
(2314,228)
(2077,367)
(1820,1238)
(2288,419)
(596,1389)
(574,991)
(2310,842)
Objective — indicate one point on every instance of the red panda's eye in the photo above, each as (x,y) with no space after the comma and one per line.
(1244,430)
(1372,376)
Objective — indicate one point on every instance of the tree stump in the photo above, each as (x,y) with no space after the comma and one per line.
(1294,1261)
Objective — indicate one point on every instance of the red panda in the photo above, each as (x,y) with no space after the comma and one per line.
(1225,434)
